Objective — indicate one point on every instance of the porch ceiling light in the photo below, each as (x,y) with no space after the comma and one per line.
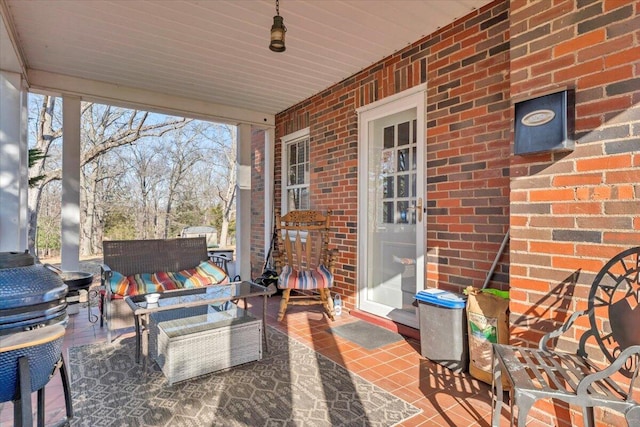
(277,31)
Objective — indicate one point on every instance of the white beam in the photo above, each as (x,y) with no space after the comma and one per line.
(13,163)
(128,97)
(70,227)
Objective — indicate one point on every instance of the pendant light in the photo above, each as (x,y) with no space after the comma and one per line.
(277,31)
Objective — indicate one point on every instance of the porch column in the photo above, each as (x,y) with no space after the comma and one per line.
(14,155)
(269,156)
(70,224)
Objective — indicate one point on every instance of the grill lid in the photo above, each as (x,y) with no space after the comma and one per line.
(30,285)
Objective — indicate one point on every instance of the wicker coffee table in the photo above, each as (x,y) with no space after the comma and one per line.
(186,298)
(193,341)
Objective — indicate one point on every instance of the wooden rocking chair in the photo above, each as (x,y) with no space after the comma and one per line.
(304,260)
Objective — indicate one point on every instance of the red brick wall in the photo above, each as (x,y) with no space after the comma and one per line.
(466,68)
(568,212)
(571,212)
(257,202)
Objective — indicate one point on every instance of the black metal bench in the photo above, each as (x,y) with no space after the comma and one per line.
(576,378)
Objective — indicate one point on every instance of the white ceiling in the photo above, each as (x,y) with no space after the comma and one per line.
(216,51)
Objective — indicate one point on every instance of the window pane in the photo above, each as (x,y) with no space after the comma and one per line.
(403,185)
(298,198)
(403,208)
(413,185)
(403,159)
(388,137)
(298,176)
(387,162)
(415,131)
(292,175)
(414,160)
(387,212)
(388,187)
(403,133)
(292,154)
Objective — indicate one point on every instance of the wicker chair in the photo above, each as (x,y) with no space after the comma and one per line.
(304,260)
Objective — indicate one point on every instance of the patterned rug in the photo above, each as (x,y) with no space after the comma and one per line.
(291,386)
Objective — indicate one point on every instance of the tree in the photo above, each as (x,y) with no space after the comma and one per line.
(107,128)
(223,175)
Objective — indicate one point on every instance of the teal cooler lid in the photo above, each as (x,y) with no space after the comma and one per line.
(442,298)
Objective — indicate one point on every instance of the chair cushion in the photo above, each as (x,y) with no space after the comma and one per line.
(118,283)
(319,278)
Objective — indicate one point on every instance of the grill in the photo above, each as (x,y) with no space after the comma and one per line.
(31,296)
(32,311)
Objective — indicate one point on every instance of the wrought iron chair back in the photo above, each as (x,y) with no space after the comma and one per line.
(607,352)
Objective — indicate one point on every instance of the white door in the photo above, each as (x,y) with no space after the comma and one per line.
(391,229)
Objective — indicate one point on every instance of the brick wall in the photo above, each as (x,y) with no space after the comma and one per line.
(568,212)
(571,212)
(257,202)
(466,67)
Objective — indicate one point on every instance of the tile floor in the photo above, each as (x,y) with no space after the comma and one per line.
(446,399)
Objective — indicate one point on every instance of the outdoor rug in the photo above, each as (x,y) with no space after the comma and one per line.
(366,334)
(291,386)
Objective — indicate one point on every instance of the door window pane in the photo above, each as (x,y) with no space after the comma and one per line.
(387,212)
(388,137)
(403,185)
(403,159)
(388,187)
(403,133)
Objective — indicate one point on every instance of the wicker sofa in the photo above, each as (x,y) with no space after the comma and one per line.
(131,257)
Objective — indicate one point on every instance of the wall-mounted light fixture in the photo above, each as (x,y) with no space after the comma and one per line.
(277,31)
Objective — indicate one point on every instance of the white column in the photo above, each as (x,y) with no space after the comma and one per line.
(14,154)
(269,156)
(243,202)
(70,227)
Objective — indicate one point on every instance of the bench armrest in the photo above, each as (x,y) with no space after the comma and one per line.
(542,345)
(220,261)
(105,275)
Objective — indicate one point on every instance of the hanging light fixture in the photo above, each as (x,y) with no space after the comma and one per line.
(277,31)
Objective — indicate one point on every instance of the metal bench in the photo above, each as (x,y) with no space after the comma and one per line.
(576,378)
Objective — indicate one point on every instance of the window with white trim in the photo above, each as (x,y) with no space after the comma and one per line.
(296,171)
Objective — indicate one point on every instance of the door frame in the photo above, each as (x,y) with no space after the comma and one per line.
(410,98)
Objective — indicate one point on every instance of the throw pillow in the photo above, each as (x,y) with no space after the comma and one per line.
(207,273)
(118,283)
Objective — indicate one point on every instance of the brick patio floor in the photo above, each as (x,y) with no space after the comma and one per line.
(445,398)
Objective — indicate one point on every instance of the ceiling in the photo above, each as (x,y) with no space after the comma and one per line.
(212,51)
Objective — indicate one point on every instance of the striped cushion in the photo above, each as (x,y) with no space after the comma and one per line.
(206,273)
(118,283)
(319,278)
(144,283)
(169,281)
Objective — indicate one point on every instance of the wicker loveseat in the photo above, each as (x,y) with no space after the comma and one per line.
(145,258)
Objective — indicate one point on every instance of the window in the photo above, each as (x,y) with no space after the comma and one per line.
(295,167)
